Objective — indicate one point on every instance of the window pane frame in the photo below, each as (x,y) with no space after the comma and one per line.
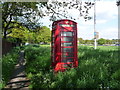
(67,33)
(72,49)
(70,39)
(65,44)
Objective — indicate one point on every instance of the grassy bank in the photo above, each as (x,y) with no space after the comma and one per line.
(97,69)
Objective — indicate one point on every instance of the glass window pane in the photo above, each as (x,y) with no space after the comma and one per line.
(67,39)
(67,55)
(52,44)
(67,44)
(53,58)
(52,34)
(67,49)
(53,38)
(66,33)
(64,60)
(67,60)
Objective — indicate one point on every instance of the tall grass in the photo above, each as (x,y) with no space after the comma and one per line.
(97,69)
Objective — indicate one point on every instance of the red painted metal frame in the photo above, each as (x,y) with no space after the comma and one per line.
(57,50)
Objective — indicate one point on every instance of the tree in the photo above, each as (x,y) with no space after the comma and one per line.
(13,12)
(28,13)
(101,41)
(59,10)
(81,41)
(88,42)
(22,34)
(108,41)
(85,41)
(18,32)
(118,3)
(115,41)
(43,34)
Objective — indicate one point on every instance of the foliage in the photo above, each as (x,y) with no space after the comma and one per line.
(13,12)
(43,34)
(10,39)
(81,41)
(19,32)
(29,13)
(37,56)
(118,2)
(8,62)
(97,69)
(101,41)
(59,10)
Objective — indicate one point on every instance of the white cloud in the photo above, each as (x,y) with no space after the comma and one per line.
(111,33)
(106,9)
(106,20)
(101,21)
(88,23)
(85,31)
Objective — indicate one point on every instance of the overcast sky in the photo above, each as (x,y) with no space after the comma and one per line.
(106,21)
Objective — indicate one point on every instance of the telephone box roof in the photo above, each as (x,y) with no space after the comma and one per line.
(64,20)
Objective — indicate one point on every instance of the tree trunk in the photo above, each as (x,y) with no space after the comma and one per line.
(5,34)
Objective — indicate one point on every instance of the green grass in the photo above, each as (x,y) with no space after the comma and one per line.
(97,68)
(108,48)
(45,45)
(8,62)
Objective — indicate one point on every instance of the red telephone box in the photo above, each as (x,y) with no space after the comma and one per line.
(64,45)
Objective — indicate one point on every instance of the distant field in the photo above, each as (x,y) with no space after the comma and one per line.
(108,47)
(98,47)
(102,47)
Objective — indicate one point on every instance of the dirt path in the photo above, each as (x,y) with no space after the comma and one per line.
(18,80)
